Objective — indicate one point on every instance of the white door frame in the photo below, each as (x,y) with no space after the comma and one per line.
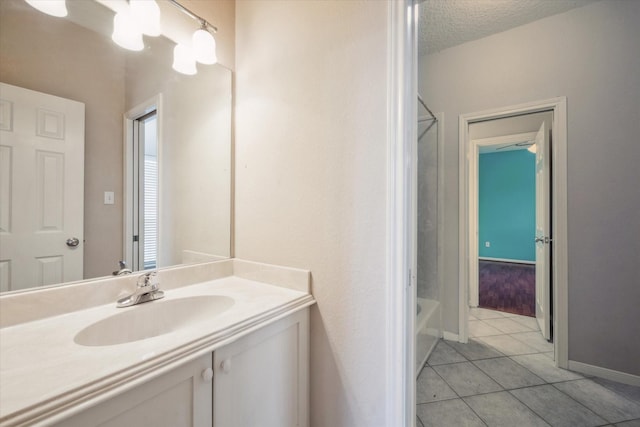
(558,215)
(153,103)
(400,240)
(474,169)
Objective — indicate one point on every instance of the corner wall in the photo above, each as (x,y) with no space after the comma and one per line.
(311,181)
(589,55)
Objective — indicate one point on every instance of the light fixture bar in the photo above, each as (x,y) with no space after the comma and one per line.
(202,21)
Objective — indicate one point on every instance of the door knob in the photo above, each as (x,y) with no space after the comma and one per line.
(73,242)
(207,375)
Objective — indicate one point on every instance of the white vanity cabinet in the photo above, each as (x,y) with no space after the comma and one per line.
(181,397)
(262,379)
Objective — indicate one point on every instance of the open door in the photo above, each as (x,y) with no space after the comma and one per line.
(41,188)
(543,238)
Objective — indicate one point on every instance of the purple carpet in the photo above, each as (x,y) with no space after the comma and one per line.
(508,287)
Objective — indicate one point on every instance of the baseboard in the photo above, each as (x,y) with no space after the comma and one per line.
(449,336)
(512,261)
(608,374)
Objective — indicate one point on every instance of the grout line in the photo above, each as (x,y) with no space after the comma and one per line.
(578,402)
(477,415)
(601,416)
(469,360)
(460,399)
(477,394)
(619,393)
(445,381)
(516,388)
(438,401)
(530,408)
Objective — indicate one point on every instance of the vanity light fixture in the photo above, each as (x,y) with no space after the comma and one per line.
(138,17)
(183,60)
(147,14)
(56,8)
(203,45)
(126,33)
(135,19)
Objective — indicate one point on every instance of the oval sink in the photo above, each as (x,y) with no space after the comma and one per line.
(152,319)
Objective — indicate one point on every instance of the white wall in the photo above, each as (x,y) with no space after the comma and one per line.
(311,181)
(590,55)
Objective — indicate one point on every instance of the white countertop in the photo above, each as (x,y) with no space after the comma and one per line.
(45,375)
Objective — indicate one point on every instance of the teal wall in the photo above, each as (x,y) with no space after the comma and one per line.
(507,205)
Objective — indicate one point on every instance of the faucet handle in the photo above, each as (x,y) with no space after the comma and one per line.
(153,280)
(149,279)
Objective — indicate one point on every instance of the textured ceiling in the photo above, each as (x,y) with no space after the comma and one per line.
(447,23)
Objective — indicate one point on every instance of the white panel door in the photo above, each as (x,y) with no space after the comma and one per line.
(543,240)
(41,188)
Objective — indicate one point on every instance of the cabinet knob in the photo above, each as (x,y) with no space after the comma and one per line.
(225,365)
(207,375)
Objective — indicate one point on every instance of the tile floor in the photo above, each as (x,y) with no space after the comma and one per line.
(505,376)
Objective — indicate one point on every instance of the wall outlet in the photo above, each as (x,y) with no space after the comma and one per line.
(487,244)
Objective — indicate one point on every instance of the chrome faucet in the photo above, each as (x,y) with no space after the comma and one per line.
(147,289)
(123,269)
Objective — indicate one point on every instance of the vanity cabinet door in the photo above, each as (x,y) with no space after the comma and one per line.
(261,380)
(180,398)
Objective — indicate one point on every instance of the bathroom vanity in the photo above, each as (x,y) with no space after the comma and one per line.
(228,345)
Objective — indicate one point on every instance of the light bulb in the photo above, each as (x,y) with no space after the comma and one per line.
(146,14)
(125,32)
(56,8)
(183,60)
(204,47)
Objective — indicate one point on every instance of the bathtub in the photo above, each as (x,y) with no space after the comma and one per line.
(427,330)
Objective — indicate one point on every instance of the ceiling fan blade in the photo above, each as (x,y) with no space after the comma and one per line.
(517,144)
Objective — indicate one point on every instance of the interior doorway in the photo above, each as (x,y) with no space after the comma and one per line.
(142,185)
(41,188)
(509,204)
(548,250)
(505,218)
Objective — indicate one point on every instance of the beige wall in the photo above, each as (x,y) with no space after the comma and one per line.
(195,152)
(47,55)
(311,181)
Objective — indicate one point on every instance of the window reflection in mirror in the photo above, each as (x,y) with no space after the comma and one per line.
(145,192)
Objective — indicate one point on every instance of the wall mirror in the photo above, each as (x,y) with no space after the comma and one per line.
(121,91)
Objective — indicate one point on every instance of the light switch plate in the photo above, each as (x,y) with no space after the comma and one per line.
(109,198)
